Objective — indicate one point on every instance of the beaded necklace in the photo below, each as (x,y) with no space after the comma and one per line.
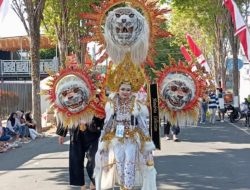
(124,106)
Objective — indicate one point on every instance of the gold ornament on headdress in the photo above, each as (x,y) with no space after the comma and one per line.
(125,72)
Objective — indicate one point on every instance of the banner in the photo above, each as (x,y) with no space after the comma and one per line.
(197,52)
(154,127)
(240,27)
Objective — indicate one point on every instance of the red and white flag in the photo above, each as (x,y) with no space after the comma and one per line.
(240,26)
(188,57)
(185,54)
(197,52)
(4,7)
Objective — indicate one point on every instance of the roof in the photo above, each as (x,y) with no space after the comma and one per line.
(22,43)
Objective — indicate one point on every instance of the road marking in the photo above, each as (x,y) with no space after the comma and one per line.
(245,131)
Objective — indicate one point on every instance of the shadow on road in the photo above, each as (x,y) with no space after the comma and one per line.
(17,157)
(205,171)
(208,157)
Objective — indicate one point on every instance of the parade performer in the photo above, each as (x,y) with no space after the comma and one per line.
(125,148)
(80,111)
(181,90)
(130,29)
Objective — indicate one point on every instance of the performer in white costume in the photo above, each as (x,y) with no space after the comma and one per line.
(125,148)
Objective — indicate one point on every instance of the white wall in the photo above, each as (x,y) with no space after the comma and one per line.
(244,90)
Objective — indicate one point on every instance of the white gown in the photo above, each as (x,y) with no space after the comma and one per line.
(125,158)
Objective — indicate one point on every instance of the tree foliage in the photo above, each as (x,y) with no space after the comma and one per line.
(47,53)
(207,22)
(62,22)
(30,13)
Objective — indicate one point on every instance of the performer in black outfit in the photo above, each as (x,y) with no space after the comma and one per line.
(83,142)
(79,108)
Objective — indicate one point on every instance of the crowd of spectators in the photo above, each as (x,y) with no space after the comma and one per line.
(20,128)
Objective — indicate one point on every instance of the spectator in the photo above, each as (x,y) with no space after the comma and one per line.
(204,106)
(12,127)
(4,138)
(15,129)
(3,134)
(32,126)
(221,109)
(29,121)
(212,106)
(22,124)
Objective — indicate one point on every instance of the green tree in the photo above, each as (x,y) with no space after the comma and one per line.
(30,13)
(194,18)
(212,23)
(47,53)
(62,22)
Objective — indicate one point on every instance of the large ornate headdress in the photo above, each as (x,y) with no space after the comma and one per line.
(72,93)
(131,29)
(180,91)
(125,72)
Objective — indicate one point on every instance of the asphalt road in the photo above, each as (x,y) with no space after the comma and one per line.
(209,157)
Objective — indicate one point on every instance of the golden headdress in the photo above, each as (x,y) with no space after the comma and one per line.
(125,72)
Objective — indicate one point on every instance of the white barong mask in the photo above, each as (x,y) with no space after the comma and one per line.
(180,91)
(72,93)
(130,27)
(177,90)
(126,31)
(125,26)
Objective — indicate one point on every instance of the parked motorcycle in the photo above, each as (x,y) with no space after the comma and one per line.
(233,113)
(245,110)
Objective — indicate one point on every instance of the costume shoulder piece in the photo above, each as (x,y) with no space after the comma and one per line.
(180,91)
(72,94)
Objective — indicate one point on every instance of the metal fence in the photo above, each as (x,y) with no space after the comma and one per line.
(15,96)
(14,68)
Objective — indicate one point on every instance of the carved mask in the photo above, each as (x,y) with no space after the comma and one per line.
(177,90)
(72,93)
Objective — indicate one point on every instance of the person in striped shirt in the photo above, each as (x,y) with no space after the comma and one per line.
(212,106)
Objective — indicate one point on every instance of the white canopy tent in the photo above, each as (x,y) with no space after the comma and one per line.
(11,25)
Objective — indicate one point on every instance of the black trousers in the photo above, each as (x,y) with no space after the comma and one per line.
(174,129)
(82,144)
